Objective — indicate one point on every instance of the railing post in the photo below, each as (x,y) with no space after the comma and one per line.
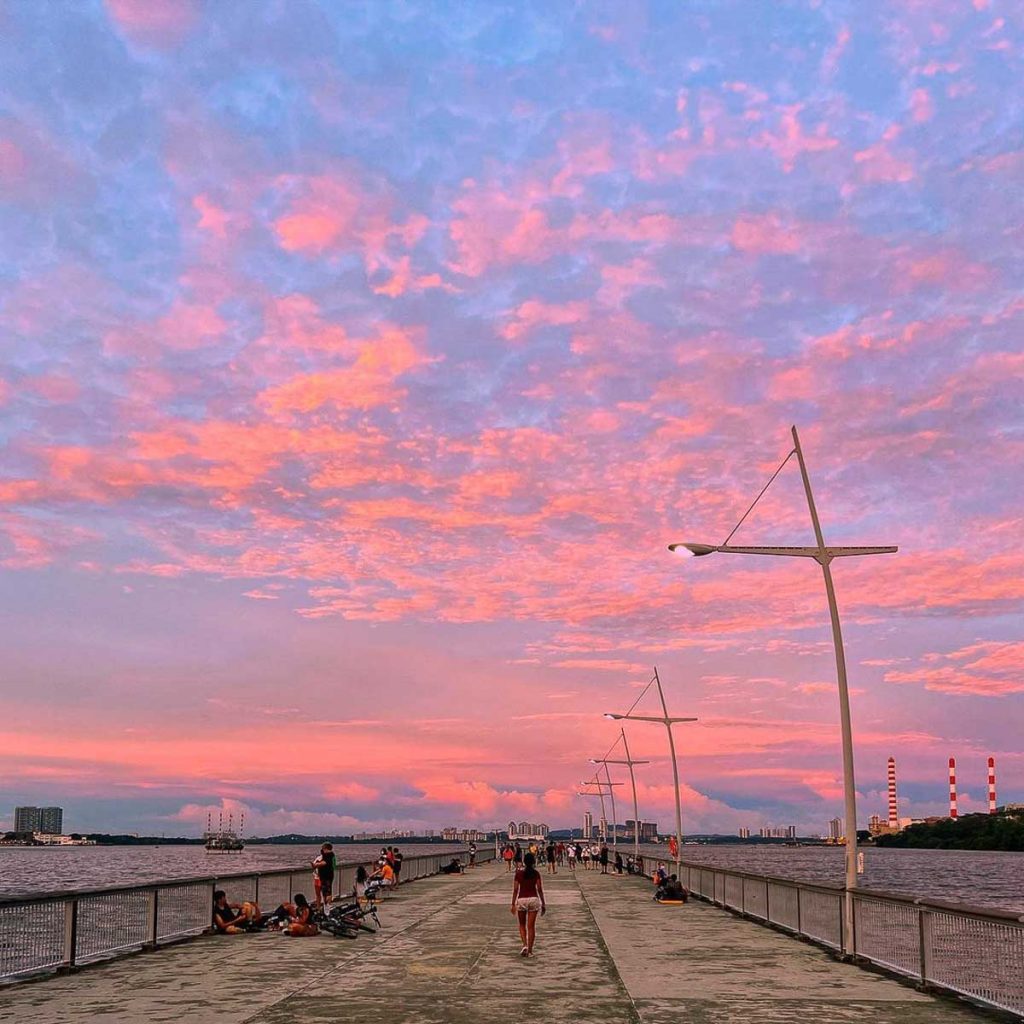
(70,933)
(799,920)
(842,924)
(923,938)
(152,910)
(256,889)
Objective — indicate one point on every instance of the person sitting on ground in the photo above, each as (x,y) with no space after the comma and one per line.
(672,891)
(301,920)
(233,918)
(359,887)
(639,864)
(453,867)
(660,875)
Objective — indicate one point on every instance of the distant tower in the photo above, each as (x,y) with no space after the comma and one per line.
(991,785)
(894,814)
(952,788)
(588,825)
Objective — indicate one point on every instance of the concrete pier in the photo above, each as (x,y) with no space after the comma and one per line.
(449,953)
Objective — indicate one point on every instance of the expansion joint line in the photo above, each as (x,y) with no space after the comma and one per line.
(634,1013)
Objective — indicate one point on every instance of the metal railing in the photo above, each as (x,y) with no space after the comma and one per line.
(974,952)
(61,931)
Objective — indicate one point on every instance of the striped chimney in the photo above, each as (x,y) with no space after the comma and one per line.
(991,785)
(952,788)
(894,815)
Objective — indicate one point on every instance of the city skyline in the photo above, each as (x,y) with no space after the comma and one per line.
(359,364)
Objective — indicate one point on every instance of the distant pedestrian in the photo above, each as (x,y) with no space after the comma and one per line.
(570,856)
(507,855)
(618,863)
(603,857)
(551,855)
(323,875)
(396,865)
(472,855)
(517,856)
(527,902)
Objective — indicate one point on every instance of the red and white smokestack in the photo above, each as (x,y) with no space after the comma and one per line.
(952,788)
(894,814)
(991,785)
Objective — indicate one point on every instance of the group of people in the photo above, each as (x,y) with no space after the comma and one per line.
(593,857)
(298,917)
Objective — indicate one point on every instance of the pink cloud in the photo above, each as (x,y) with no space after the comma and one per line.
(791,142)
(160,23)
(370,379)
(988,669)
(764,234)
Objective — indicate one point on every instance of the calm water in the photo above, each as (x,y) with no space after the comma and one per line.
(982,879)
(25,870)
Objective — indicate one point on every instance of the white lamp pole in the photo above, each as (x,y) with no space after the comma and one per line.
(668,722)
(632,781)
(823,555)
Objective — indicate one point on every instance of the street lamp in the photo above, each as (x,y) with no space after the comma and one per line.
(668,722)
(632,779)
(611,792)
(823,555)
(601,787)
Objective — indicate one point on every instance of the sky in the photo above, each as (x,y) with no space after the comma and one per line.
(358,362)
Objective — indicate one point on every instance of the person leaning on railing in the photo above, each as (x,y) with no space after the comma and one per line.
(233,918)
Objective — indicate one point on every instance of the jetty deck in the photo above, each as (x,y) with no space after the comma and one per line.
(449,953)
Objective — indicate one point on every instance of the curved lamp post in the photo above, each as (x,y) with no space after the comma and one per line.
(632,781)
(602,787)
(668,722)
(823,555)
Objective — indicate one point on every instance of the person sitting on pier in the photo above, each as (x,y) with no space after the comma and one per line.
(233,918)
(671,892)
(359,887)
(301,922)
(385,873)
(453,867)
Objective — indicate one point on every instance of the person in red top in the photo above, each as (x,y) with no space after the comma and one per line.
(528,901)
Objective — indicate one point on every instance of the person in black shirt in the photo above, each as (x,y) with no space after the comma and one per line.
(324,867)
(397,866)
(233,918)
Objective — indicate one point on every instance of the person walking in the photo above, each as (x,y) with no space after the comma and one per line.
(551,855)
(603,857)
(570,856)
(506,855)
(528,901)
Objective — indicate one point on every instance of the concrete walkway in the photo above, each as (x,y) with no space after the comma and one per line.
(449,954)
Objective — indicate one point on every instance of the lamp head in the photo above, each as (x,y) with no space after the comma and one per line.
(693,549)
(612,716)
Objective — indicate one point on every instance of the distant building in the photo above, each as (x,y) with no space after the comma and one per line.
(527,830)
(744,833)
(835,829)
(588,825)
(791,831)
(48,821)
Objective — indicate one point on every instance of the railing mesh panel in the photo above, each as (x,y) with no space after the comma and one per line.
(820,916)
(782,905)
(31,937)
(755,897)
(183,910)
(983,959)
(734,892)
(887,933)
(112,923)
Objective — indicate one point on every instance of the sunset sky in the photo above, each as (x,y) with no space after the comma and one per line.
(358,361)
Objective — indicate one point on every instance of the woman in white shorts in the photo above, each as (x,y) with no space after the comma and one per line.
(528,902)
